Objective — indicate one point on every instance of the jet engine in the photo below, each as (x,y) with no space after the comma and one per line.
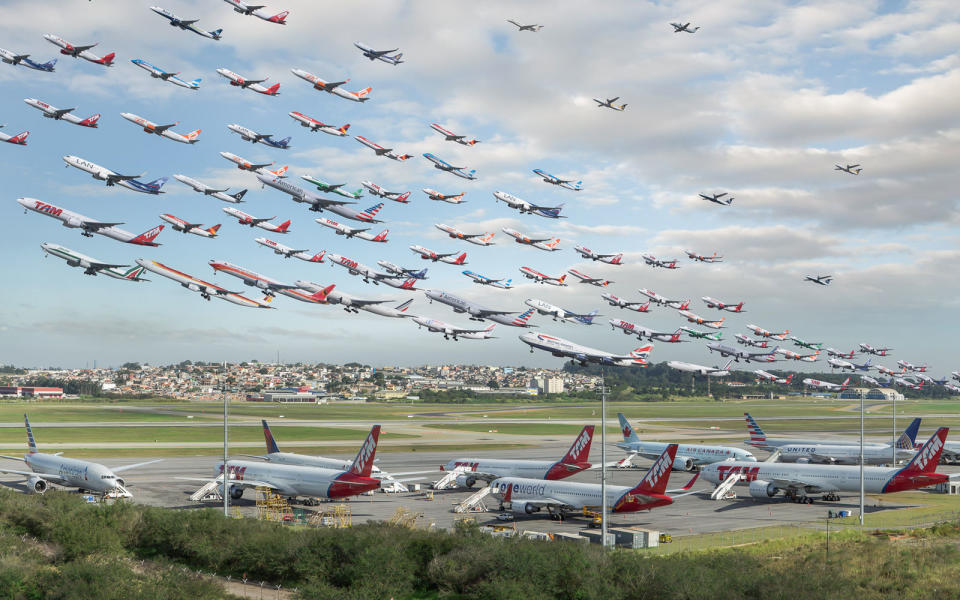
(466,480)
(37,485)
(683,463)
(73,222)
(236,491)
(763,489)
(73,263)
(803,461)
(526,507)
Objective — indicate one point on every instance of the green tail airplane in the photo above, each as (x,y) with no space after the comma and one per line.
(810,345)
(703,335)
(323,186)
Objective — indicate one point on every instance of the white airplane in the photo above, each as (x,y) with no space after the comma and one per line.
(819,279)
(688,457)
(839,354)
(382,55)
(257,11)
(206,190)
(480,239)
(249,135)
(718,199)
(92,266)
(206,289)
(350,232)
(111,178)
(795,356)
(318,204)
(560,314)
(389,267)
(770,377)
(452,331)
(749,341)
(768,334)
(452,137)
(643,332)
(274,455)
(684,27)
(547,244)
(701,258)
(246,165)
(62,114)
(80,51)
(730,351)
(355,305)
(158,73)
(717,304)
(665,263)
(826,385)
(658,299)
(368,274)
(332,87)
(539,277)
(186,25)
(162,130)
(533,28)
(90,226)
(478,312)
(178,224)
(608,103)
(695,318)
(554,180)
(377,190)
(550,212)
(560,347)
(587,279)
(826,454)
(912,367)
(439,163)
(316,125)
(243,83)
(635,306)
(380,150)
(852,169)
(875,351)
(759,439)
(701,369)
(427,254)
(251,278)
(262,223)
(287,252)
(12,58)
(449,198)
(836,363)
(503,284)
(69,472)
(610,259)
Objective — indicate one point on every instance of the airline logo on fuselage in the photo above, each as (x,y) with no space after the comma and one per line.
(531,489)
(748,474)
(234,472)
(469,466)
(50,209)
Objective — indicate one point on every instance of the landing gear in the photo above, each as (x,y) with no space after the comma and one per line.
(831,497)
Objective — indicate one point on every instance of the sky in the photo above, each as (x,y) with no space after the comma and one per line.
(761,102)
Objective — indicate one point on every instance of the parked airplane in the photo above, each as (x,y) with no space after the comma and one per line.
(90,226)
(350,232)
(452,331)
(452,137)
(380,150)
(553,179)
(162,130)
(79,51)
(186,25)
(111,178)
(533,28)
(759,439)
(560,347)
(658,299)
(158,73)
(249,135)
(319,204)
(382,55)
(549,212)
(610,259)
(852,169)
(178,224)
(717,304)
(443,165)
(20,139)
(653,261)
(636,306)
(644,332)
(249,9)
(701,258)
(701,369)
(560,314)
(826,385)
(875,351)
(355,305)
(332,87)
(688,456)
(749,341)
(287,252)
(327,188)
(427,254)
(819,279)
(377,190)
(771,378)
(547,244)
(480,239)
(242,82)
(92,266)
(539,277)
(11,58)
(274,455)
(608,103)
(503,284)
(764,333)
(206,289)
(684,27)
(831,454)
(245,165)
(262,223)
(62,114)
(451,199)
(715,336)
(695,318)
(587,279)
(730,351)
(717,199)
(803,344)
(206,190)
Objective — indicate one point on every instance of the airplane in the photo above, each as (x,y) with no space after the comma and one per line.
(368,274)
(852,169)
(427,254)
(206,190)
(92,266)
(11,58)
(826,385)
(658,299)
(452,137)
(480,239)
(618,301)
(274,455)
(318,204)
(383,55)
(695,318)
(251,278)
(701,369)
(20,139)
(875,351)
(332,87)
(699,257)
(257,11)
(560,347)
(811,345)
(732,352)
(451,199)
(452,331)
(503,284)
(587,279)
(717,304)
(836,363)
(162,130)
(541,243)
(759,439)
(955,375)
(610,259)
(956,390)
(241,82)
(716,199)
(380,150)
(541,278)
(560,314)
(803,357)
(62,114)
(688,457)
(69,472)
(178,224)
(350,232)
(819,279)
(653,261)
(838,354)
(715,336)
(870,381)
(826,453)
(389,267)
(321,296)
(377,190)
(158,73)
(186,25)
(608,103)
(249,135)
(771,378)
(554,180)
(765,480)
(443,165)
(643,332)
(90,226)
(245,165)
(206,289)
(246,219)
(749,341)
(865,366)
(104,174)
(464,306)
(909,384)
(355,305)
(533,28)
(912,367)
(315,125)
(549,212)
(80,51)
(684,27)
(764,333)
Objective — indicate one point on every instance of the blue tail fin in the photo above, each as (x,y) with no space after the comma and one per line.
(422,274)
(31,443)
(629,435)
(284,142)
(158,183)
(908,438)
(216,33)
(268,437)
(197,80)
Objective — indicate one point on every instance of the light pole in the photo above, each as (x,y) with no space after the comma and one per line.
(861,460)
(894,443)
(603,458)
(226,476)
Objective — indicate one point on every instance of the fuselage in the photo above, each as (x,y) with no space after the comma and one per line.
(299,480)
(574,495)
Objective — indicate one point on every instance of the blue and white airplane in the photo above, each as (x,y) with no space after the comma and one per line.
(158,73)
(564,183)
(186,25)
(250,135)
(550,212)
(112,178)
(503,284)
(24,59)
(445,166)
(380,54)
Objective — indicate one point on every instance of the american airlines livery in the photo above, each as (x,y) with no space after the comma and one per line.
(90,226)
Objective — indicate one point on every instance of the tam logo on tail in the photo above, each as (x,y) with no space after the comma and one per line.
(107,60)
(616,260)
(655,481)
(146,238)
(280,18)
(580,446)
(382,236)
(91,121)
(363,463)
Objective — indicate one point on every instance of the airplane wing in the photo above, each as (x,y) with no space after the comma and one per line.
(535,207)
(118,177)
(331,85)
(798,483)
(162,128)
(368,303)
(134,466)
(101,265)
(328,202)
(62,111)
(98,225)
(489,313)
(379,53)
(48,476)
(79,49)
(253,7)
(191,22)
(249,82)
(538,240)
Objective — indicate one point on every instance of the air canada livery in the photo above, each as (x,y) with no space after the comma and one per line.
(688,455)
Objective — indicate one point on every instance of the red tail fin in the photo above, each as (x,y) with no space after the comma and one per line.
(91,121)
(580,449)
(655,481)
(108,59)
(685,305)
(283,227)
(213,230)
(146,238)
(408,284)
(20,138)
(462,259)
(272,90)
(318,257)
(344,128)
(403,197)
(279,17)
(363,463)
(738,308)
(363,93)
(382,236)
(926,459)
(321,296)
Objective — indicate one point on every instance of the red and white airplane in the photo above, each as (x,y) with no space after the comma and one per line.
(452,199)
(62,114)
(257,11)
(206,289)
(332,87)
(833,352)
(658,299)
(749,341)
(427,254)
(541,278)
(178,224)
(239,81)
(251,278)
(350,232)
(480,239)
(865,347)
(826,385)
(318,296)
(20,138)
(90,226)
(380,191)
(769,334)
(246,219)
(771,378)
(610,259)
(701,258)
(694,318)
(287,251)
(316,125)
(245,165)
(634,306)
(81,51)
(665,263)
(380,150)
(162,130)
(912,367)
(717,304)
(546,244)
(452,137)
(587,279)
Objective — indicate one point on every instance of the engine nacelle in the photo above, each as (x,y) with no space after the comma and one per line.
(683,463)
(803,461)
(236,492)
(525,507)
(73,263)
(73,222)
(37,485)
(466,480)
(763,489)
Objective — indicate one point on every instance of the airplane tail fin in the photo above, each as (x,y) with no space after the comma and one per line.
(927,457)
(404,156)
(789,379)
(49,64)
(321,296)
(373,210)
(684,305)
(156,184)
(268,438)
(562,279)
(279,17)
(638,354)
(421,274)
(588,318)
(408,284)
(579,451)
(623,106)
(280,172)
(344,128)
(403,197)
(472,142)
(507,283)
(134,273)
(629,435)
(843,385)
(146,238)
(284,143)
(31,443)
(382,236)
(655,481)
(362,94)
(91,121)
(757,436)
(318,257)
(107,60)
(404,306)
(908,438)
(213,230)
(192,136)
(283,227)
(20,138)
(273,90)
(523,318)
(616,260)
(363,463)
(216,34)
(461,260)
(553,244)
(577,185)
(239,195)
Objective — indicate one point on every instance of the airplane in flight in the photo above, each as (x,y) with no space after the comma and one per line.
(684,27)
(262,223)
(355,305)
(701,369)
(351,232)
(838,354)
(810,345)
(452,137)
(368,274)
(866,366)
(749,341)
(597,281)
(539,277)
(377,190)
(476,311)
(243,83)
(635,306)
(389,267)
(380,150)
(560,347)
(427,254)
(69,472)
(249,135)
(20,139)
(701,258)
(870,381)
(12,58)
(560,314)
(162,130)
(111,178)
(852,169)
(178,224)
(503,284)
(480,239)
(610,259)
(546,244)
(382,55)
(206,289)
(318,204)
(452,331)
(315,125)
(257,11)
(826,385)
(768,334)
(533,28)
(695,318)
(246,165)
(62,114)
(771,378)
(795,356)
(717,304)
(554,180)
(549,212)
(732,352)
(836,363)
(819,279)
(714,336)
(206,190)
(912,367)
(688,457)
(332,87)
(79,51)
(92,266)
(186,25)
(875,351)
(90,226)
(718,199)
(158,73)
(448,198)
(643,332)
(608,103)
(253,279)
(443,165)
(658,299)
(666,263)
